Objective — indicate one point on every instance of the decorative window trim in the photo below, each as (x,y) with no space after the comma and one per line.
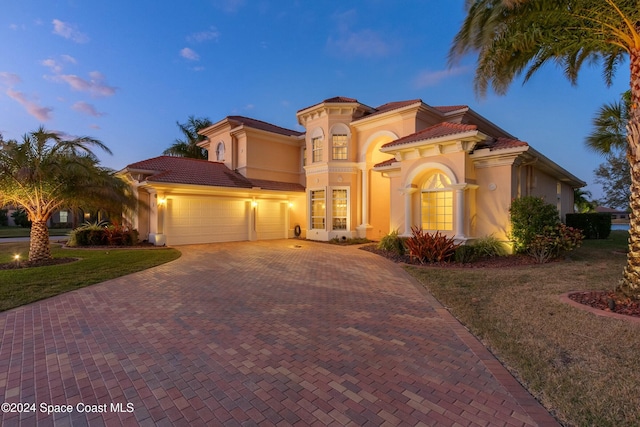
(436,203)
(340,209)
(220,151)
(317,209)
(339,146)
(316,149)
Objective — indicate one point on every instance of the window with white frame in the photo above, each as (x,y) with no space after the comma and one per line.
(318,209)
(316,149)
(64,216)
(339,144)
(437,203)
(339,204)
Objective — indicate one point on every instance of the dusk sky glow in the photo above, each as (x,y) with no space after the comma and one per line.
(125,72)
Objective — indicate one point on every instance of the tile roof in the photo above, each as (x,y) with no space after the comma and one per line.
(444,109)
(436,131)
(501,144)
(259,124)
(387,162)
(334,100)
(181,170)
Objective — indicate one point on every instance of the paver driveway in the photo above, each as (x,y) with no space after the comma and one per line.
(254,333)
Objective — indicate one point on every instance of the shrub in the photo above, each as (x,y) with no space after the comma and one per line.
(489,247)
(392,242)
(100,234)
(593,225)
(430,248)
(529,217)
(466,254)
(554,241)
(4,218)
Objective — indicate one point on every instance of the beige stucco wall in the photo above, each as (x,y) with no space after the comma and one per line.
(270,157)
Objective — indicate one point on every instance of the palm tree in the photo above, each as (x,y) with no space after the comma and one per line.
(516,38)
(44,173)
(609,134)
(188,147)
(582,202)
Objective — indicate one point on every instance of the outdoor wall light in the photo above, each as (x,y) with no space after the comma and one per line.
(162,201)
(254,204)
(290,204)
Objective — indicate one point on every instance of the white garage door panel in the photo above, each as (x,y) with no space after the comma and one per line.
(271,220)
(199,220)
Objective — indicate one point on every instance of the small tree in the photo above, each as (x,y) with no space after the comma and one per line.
(529,217)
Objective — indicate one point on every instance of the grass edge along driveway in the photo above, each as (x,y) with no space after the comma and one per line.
(583,368)
(26,285)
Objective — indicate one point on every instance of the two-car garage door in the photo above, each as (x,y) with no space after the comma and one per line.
(190,220)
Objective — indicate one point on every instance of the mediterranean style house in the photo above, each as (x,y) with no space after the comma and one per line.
(356,171)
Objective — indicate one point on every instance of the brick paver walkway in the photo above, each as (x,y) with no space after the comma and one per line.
(259,333)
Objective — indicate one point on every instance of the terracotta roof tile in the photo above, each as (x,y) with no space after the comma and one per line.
(501,144)
(387,162)
(334,100)
(436,131)
(259,124)
(449,108)
(181,170)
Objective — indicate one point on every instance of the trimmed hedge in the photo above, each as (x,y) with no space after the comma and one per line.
(593,225)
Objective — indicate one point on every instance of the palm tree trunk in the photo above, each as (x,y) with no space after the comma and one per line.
(39,249)
(630,283)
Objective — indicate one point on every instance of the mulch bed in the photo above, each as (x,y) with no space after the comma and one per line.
(494,262)
(603,300)
(608,301)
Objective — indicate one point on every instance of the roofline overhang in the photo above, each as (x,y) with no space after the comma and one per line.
(527,155)
(468,136)
(210,190)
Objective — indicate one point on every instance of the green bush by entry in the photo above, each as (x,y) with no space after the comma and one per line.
(101,234)
(529,217)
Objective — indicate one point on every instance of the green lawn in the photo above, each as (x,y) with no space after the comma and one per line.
(24,232)
(22,286)
(582,367)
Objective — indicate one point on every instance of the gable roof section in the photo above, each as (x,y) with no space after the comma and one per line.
(181,170)
(436,131)
(259,124)
(444,109)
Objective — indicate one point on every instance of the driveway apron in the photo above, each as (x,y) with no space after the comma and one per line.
(280,333)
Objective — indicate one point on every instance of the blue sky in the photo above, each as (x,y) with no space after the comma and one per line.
(125,72)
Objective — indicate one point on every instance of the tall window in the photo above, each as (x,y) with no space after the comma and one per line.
(220,152)
(304,155)
(437,203)
(316,149)
(339,209)
(317,209)
(339,143)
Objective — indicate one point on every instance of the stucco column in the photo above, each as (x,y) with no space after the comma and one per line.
(408,208)
(459,219)
(362,228)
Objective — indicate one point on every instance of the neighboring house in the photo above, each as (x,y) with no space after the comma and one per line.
(617,216)
(356,171)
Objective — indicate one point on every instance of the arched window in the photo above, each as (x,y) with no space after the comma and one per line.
(437,203)
(220,152)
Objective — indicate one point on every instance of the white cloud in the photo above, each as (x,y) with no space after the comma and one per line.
(39,112)
(68,31)
(52,65)
(203,36)
(9,79)
(68,58)
(87,109)
(94,126)
(96,85)
(189,54)
(428,78)
(365,43)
